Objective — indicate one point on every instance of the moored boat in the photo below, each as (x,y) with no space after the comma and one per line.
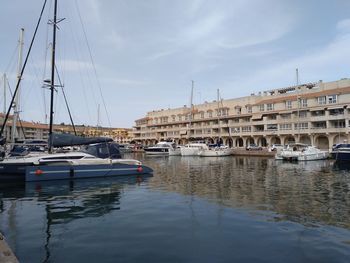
(341,152)
(303,152)
(216,151)
(193,149)
(163,148)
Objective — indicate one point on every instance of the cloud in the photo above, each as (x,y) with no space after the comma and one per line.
(329,61)
(74,65)
(343,25)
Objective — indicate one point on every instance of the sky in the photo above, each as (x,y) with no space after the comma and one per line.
(119,59)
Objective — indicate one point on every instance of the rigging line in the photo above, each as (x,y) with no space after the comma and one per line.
(23,67)
(82,80)
(93,64)
(20,124)
(12,58)
(65,99)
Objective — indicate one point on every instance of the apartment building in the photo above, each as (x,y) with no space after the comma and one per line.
(36,130)
(313,113)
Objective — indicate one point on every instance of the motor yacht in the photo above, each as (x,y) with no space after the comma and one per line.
(163,148)
(303,152)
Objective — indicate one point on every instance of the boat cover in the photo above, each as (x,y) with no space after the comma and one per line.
(2,140)
(65,139)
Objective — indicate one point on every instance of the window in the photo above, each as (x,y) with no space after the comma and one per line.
(218,112)
(288,104)
(332,99)
(302,126)
(173,117)
(269,106)
(210,113)
(262,107)
(303,114)
(202,115)
(286,116)
(285,126)
(303,103)
(321,100)
(246,129)
(180,118)
(249,109)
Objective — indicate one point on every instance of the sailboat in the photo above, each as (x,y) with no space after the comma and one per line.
(194,148)
(99,158)
(218,150)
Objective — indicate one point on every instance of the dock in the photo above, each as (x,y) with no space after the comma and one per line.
(6,254)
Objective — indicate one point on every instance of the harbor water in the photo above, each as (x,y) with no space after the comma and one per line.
(228,209)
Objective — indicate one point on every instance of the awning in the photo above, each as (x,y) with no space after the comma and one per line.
(335,107)
(183,132)
(317,109)
(257,117)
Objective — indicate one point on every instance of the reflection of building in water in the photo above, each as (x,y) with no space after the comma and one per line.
(308,191)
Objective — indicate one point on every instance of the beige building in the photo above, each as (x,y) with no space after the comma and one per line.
(36,130)
(314,113)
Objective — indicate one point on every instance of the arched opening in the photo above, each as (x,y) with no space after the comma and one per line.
(305,139)
(275,140)
(249,141)
(340,139)
(210,141)
(239,142)
(229,142)
(262,142)
(322,142)
(219,141)
(289,140)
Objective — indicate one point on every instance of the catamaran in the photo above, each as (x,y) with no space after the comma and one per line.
(100,157)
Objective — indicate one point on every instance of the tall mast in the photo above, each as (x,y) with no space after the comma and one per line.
(298,100)
(5,93)
(52,84)
(218,117)
(16,107)
(191,109)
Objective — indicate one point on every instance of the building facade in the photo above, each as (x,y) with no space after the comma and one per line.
(313,113)
(36,130)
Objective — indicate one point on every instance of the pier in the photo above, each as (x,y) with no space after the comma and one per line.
(6,254)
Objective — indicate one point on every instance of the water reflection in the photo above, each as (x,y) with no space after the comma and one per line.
(60,203)
(305,192)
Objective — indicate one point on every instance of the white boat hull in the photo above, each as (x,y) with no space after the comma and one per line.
(216,152)
(189,151)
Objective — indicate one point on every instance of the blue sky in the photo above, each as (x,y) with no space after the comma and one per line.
(146,53)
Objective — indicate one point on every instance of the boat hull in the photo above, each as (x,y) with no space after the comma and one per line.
(189,151)
(216,153)
(341,156)
(30,173)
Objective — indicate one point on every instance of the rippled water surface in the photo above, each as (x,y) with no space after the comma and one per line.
(228,209)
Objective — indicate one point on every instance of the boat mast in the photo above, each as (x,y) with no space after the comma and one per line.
(52,84)
(191,110)
(5,94)
(218,115)
(298,100)
(16,108)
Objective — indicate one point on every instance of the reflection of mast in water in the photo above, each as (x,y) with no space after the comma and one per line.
(88,202)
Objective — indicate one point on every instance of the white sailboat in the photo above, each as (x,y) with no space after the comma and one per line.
(192,148)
